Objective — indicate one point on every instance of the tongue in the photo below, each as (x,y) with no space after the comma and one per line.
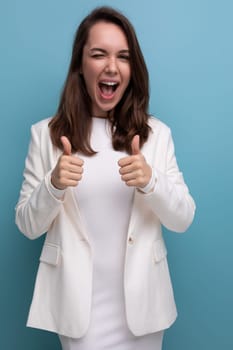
(106,89)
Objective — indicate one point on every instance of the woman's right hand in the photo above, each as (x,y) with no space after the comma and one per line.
(68,170)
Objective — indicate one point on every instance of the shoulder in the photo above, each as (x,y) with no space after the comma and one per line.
(41,142)
(157,126)
(40,134)
(41,125)
(41,129)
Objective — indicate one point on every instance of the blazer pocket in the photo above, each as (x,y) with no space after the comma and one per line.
(50,254)
(159,250)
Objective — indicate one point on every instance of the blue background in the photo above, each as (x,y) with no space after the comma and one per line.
(188,48)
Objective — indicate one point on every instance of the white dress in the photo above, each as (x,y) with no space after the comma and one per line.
(105,205)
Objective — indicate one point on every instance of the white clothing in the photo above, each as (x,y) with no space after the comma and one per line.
(62,298)
(105,204)
(145,342)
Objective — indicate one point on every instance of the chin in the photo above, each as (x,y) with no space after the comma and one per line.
(107,109)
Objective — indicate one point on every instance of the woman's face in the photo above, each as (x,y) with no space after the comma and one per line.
(105,66)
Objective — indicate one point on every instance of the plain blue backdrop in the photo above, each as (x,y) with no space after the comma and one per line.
(188,48)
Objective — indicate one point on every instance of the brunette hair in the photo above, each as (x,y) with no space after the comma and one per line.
(74,115)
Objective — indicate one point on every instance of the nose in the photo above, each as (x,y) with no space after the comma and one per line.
(111,66)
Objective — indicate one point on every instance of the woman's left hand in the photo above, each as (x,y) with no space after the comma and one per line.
(134,169)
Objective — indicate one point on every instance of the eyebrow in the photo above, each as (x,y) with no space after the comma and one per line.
(105,51)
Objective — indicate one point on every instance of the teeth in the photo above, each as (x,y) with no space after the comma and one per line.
(109,83)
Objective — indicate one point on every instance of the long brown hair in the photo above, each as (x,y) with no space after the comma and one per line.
(74,115)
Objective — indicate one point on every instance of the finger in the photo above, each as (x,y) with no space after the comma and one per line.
(125,161)
(131,183)
(132,162)
(137,182)
(70,163)
(135,145)
(76,161)
(73,177)
(70,182)
(70,167)
(128,177)
(66,145)
(136,175)
(65,177)
(128,168)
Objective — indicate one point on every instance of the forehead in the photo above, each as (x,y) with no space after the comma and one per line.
(106,34)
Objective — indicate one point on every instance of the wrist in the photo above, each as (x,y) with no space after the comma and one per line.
(151,184)
(54,185)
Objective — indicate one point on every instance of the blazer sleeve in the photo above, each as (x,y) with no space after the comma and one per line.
(170,200)
(37,206)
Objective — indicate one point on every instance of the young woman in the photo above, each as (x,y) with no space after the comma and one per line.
(101,179)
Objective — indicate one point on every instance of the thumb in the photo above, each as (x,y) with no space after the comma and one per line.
(135,145)
(66,146)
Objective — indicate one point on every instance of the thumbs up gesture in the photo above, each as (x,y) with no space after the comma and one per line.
(68,170)
(134,169)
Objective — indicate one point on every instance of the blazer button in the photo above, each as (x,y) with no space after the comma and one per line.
(130,240)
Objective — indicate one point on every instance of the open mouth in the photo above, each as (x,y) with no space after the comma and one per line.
(108,88)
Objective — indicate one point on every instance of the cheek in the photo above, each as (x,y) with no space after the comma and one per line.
(89,81)
(127,75)
(90,75)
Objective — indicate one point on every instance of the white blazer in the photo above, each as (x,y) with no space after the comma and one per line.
(62,296)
